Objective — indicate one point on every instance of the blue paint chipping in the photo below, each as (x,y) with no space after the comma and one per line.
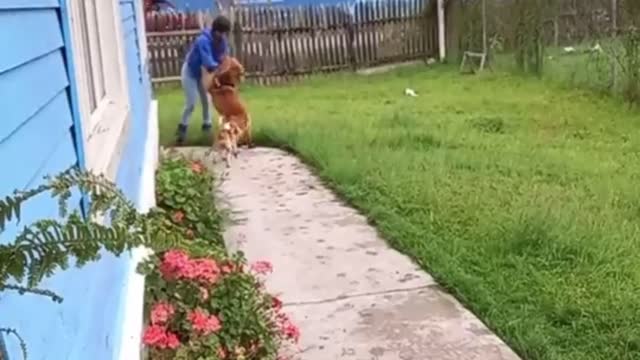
(41,134)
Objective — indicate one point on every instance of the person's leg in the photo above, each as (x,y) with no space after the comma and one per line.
(206,114)
(190,87)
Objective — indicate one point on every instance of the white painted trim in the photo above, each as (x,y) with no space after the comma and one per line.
(442,46)
(132,324)
(104,127)
(105,143)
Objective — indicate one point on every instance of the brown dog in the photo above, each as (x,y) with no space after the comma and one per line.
(234,123)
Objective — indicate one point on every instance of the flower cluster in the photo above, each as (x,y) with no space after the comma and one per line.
(262,267)
(204,302)
(204,323)
(161,313)
(177,265)
(288,330)
(158,336)
(176,322)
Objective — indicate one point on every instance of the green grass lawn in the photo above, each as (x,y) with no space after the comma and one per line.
(518,196)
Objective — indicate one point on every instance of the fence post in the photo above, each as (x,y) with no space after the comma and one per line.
(351,38)
(427,25)
(237,39)
(441,29)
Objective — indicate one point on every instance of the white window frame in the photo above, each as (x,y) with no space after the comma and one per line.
(104,71)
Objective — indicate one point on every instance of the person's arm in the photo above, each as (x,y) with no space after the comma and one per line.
(206,54)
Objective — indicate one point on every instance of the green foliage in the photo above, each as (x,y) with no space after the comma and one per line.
(250,325)
(184,190)
(535,229)
(47,245)
(246,314)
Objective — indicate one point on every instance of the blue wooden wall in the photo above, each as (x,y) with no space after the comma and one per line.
(36,140)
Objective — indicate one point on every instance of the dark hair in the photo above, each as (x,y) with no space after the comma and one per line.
(221,24)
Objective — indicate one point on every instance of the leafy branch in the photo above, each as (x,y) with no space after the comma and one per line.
(112,224)
(22,290)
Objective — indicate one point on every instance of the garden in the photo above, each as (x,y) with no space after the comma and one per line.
(201,301)
(516,193)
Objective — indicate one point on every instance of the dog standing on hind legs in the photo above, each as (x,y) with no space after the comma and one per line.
(234,122)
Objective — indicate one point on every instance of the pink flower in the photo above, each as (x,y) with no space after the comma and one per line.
(154,335)
(276,303)
(290,331)
(197,167)
(172,341)
(204,323)
(262,267)
(174,263)
(161,313)
(222,353)
(206,270)
(287,328)
(178,216)
(158,336)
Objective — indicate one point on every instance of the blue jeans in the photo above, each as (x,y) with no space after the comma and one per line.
(192,88)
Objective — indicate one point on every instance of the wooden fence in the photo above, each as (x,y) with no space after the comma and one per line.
(278,44)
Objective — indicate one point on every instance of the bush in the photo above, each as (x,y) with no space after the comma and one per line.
(185,191)
(201,302)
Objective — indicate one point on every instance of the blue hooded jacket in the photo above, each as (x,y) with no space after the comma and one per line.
(204,53)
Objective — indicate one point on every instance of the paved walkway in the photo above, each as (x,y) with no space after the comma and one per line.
(352,296)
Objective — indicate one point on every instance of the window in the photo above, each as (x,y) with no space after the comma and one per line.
(101,77)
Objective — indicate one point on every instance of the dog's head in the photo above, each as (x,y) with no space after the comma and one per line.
(231,72)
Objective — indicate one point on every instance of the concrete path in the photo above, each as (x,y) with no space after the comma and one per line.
(352,296)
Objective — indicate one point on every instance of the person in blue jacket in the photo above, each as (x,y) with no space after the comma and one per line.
(206,51)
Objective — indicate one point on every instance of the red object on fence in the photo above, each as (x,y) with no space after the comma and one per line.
(165,21)
(162,15)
